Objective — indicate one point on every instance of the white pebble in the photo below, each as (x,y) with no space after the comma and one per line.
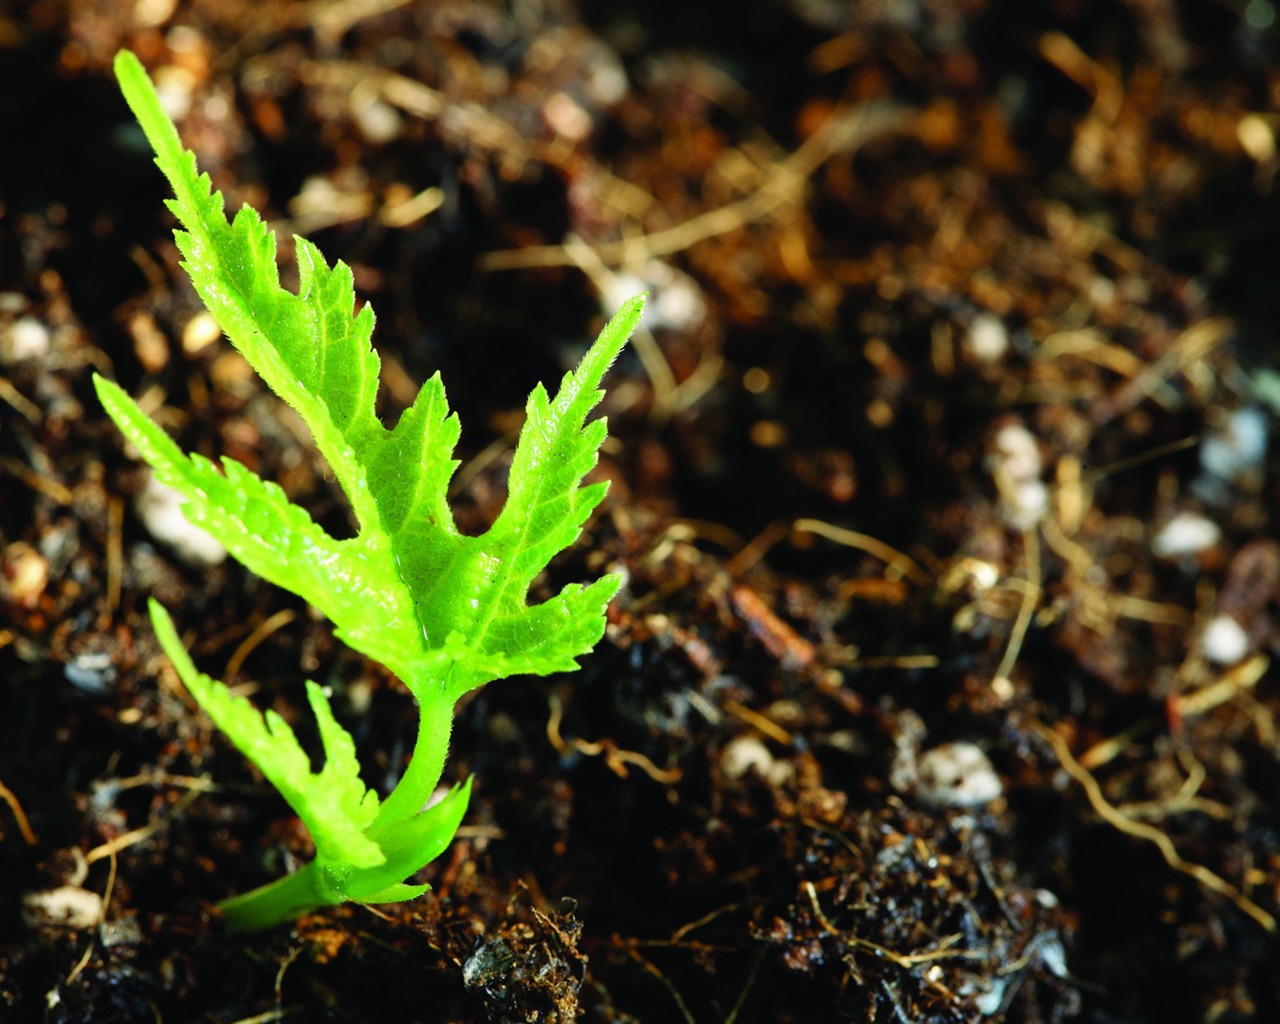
(678,304)
(379,122)
(987,339)
(153,13)
(1026,504)
(745,754)
(202,330)
(741,755)
(1016,453)
(607,80)
(1256,138)
(1102,291)
(67,906)
(988,996)
(957,775)
(1187,533)
(566,118)
(1046,899)
(160,508)
(26,338)
(1016,464)
(1238,448)
(983,575)
(1224,641)
(1054,957)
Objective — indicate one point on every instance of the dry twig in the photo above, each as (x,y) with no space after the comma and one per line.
(1141,830)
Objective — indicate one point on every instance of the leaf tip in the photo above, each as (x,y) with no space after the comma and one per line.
(126,62)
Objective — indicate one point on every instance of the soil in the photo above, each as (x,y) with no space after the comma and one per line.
(939,688)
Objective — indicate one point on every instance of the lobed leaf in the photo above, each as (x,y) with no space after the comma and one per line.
(408,580)
(446,612)
(407,846)
(311,348)
(334,804)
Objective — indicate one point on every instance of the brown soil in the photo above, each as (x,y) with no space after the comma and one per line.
(956,308)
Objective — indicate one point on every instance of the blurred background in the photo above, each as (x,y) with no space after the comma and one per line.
(941,686)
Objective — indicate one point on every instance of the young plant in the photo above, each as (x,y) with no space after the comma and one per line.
(444,611)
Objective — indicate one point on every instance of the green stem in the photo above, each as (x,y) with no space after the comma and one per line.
(305,890)
(276,902)
(425,767)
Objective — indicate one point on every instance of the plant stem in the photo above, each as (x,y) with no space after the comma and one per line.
(425,767)
(276,902)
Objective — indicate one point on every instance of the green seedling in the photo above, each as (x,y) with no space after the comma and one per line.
(444,611)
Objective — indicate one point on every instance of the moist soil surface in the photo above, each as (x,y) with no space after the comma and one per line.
(939,685)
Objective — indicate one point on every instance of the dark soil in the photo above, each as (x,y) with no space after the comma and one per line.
(910,710)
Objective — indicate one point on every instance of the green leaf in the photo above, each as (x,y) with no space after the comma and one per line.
(444,611)
(407,846)
(409,580)
(311,348)
(544,514)
(333,803)
(259,526)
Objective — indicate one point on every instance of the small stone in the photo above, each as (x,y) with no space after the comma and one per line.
(1016,453)
(678,304)
(986,340)
(202,330)
(68,906)
(149,343)
(379,122)
(566,118)
(745,754)
(92,672)
(606,82)
(24,574)
(26,338)
(1224,641)
(1187,533)
(1256,138)
(742,755)
(1026,504)
(957,775)
(123,931)
(153,13)
(1237,448)
(984,575)
(1015,462)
